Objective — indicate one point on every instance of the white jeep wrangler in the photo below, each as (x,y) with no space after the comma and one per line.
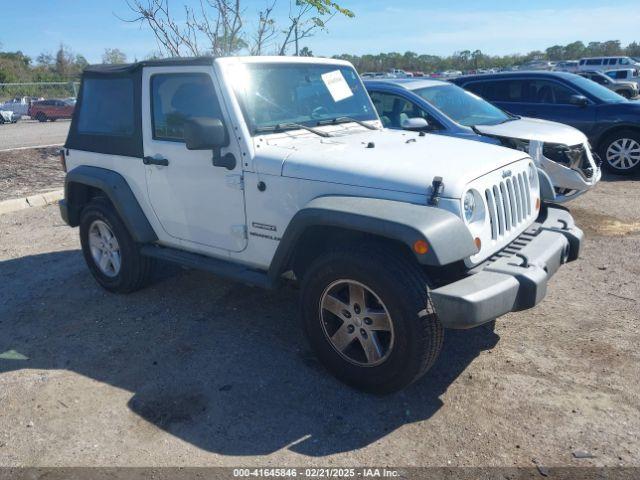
(264,169)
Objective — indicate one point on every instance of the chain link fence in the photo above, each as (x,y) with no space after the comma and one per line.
(17,97)
(46,90)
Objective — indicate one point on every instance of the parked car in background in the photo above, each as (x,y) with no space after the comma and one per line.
(610,121)
(570,66)
(51,110)
(626,74)
(7,116)
(606,63)
(561,152)
(18,105)
(626,89)
(537,65)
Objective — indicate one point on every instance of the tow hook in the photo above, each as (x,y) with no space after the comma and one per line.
(525,260)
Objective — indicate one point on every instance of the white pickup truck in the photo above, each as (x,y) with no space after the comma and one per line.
(269,170)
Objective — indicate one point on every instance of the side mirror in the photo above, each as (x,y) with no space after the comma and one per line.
(417,123)
(579,100)
(201,133)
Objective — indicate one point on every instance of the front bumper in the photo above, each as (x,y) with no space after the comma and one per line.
(513,279)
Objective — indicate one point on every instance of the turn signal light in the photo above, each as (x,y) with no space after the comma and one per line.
(538,203)
(478,243)
(420,247)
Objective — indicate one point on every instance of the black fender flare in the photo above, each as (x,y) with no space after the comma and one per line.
(447,236)
(116,189)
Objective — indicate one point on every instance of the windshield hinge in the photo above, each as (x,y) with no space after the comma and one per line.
(235,181)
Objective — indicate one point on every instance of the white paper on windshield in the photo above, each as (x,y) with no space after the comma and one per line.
(337,85)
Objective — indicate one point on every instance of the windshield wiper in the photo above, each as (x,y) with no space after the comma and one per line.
(336,121)
(281,127)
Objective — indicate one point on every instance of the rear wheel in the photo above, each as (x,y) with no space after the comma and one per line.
(41,117)
(368,316)
(110,252)
(620,152)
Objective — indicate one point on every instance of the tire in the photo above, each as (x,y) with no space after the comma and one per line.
(41,117)
(395,286)
(613,148)
(625,93)
(134,270)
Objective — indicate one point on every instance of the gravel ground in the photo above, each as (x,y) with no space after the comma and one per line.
(200,371)
(30,133)
(29,171)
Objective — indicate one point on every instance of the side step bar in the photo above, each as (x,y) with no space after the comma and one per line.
(216,266)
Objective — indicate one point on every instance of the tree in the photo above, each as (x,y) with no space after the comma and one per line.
(306,17)
(574,50)
(557,52)
(633,49)
(217,27)
(113,56)
(477,57)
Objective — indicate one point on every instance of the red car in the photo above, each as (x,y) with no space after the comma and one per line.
(44,110)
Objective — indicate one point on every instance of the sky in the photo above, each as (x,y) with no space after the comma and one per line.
(437,27)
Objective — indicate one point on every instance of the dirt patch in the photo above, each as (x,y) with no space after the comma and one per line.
(25,172)
(604,225)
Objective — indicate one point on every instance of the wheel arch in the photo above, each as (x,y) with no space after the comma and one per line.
(328,220)
(84,183)
(613,129)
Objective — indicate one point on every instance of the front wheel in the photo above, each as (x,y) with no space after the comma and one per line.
(110,252)
(369,318)
(620,152)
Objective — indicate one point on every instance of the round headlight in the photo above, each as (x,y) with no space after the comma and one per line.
(532,173)
(469,205)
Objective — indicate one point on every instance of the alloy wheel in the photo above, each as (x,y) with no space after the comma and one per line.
(356,323)
(623,153)
(105,249)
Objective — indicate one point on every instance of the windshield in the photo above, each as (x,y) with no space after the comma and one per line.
(462,106)
(596,90)
(272,95)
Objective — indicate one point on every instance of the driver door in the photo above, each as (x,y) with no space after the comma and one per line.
(197,204)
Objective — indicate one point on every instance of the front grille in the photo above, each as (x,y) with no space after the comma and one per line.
(574,157)
(509,204)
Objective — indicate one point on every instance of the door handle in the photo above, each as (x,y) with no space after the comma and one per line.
(155,161)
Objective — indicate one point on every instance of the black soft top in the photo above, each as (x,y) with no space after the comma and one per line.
(125,68)
(98,107)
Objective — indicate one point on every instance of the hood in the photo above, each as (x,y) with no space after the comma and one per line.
(382,159)
(535,129)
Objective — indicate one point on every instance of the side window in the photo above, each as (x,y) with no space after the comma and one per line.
(475,87)
(594,61)
(505,91)
(545,91)
(176,97)
(394,110)
(624,61)
(107,107)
